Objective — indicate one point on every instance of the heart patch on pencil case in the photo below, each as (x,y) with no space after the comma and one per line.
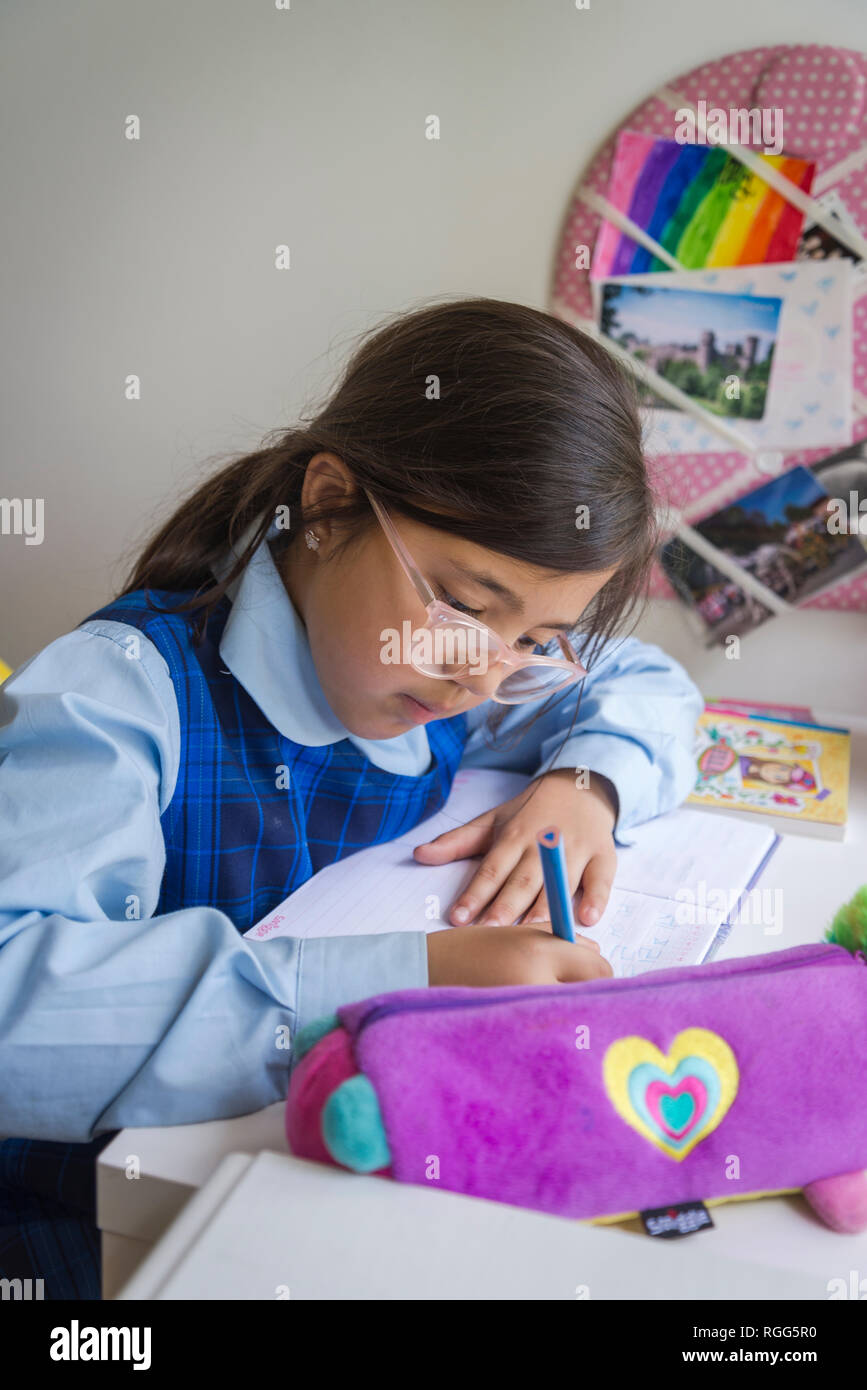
(676,1099)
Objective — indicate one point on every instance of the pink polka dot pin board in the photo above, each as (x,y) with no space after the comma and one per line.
(717,242)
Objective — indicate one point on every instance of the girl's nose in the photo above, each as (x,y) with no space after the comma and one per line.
(481,684)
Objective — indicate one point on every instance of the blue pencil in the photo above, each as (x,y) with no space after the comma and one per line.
(556,878)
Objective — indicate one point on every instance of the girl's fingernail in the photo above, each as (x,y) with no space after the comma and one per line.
(461,914)
(591,915)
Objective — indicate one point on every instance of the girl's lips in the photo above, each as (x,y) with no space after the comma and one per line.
(419,713)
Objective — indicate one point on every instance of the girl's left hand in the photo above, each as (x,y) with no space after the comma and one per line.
(508,881)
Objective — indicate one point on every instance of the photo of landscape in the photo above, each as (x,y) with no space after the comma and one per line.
(717,348)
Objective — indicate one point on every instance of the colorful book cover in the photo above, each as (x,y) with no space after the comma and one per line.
(796,771)
(700,204)
(794,714)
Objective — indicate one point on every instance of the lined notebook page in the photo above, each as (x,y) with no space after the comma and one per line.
(644,927)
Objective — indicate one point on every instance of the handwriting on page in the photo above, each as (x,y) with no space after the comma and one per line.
(646,925)
(638,933)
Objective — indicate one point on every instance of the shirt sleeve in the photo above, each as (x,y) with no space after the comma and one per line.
(635,727)
(111,1016)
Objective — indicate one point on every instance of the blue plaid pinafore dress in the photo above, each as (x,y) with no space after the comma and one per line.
(235,840)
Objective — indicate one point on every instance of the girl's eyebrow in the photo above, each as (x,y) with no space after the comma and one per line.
(510,599)
(489,582)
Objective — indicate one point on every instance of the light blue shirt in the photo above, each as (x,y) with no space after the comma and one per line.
(107,1022)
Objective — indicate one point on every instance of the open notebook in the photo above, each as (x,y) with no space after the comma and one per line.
(674,892)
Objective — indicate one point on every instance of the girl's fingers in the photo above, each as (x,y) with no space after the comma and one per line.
(588,941)
(596,883)
(577,963)
(576,861)
(508,882)
(537,914)
(464,842)
(520,888)
(536,918)
(493,871)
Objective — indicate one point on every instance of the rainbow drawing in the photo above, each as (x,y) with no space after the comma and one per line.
(700,204)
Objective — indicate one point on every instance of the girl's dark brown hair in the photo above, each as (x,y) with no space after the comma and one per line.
(496,419)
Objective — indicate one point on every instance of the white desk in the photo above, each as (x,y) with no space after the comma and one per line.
(276,1227)
(818,659)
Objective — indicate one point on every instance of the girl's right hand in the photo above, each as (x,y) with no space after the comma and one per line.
(511,956)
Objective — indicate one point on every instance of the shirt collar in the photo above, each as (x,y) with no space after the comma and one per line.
(265,646)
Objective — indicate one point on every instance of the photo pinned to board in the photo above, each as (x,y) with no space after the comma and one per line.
(819,244)
(786,384)
(699,203)
(796,535)
(702,343)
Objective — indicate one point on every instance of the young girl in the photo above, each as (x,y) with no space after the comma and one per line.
(236,720)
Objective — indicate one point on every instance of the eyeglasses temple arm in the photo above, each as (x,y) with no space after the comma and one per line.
(418,581)
(420,584)
(569,652)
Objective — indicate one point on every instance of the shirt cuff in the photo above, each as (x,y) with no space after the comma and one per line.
(335,970)
(614,759)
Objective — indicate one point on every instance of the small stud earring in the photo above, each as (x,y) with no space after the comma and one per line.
(312,540)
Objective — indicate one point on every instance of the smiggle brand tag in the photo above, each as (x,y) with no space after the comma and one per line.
(682,1219)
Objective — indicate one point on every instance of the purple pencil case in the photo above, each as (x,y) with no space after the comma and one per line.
(606,1098)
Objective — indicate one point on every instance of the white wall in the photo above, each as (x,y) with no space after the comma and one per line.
(259,127)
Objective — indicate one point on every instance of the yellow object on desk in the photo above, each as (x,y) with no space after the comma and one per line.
(795,774)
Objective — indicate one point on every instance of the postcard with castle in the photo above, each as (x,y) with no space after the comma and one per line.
(768,348)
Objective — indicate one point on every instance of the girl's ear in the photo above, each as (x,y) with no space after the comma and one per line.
(326,481)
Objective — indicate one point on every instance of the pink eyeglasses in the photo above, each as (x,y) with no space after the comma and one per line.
(452,645)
